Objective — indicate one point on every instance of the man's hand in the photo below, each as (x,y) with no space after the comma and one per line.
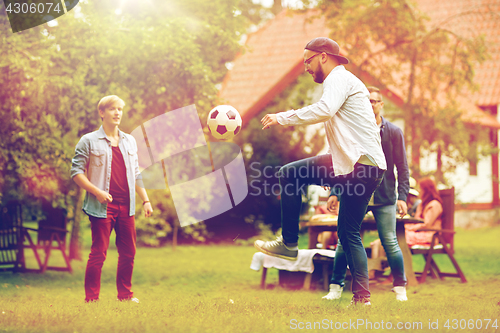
(269,120)
(402,208)
(332,205)
(148,209)
(103,197)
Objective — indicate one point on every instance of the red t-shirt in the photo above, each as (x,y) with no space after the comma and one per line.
(118,186)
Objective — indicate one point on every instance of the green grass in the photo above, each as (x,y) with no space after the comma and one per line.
(212,289)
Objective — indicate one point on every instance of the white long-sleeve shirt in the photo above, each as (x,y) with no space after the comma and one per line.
(350,125)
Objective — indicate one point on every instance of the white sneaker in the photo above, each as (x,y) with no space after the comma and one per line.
(358,302)
(133,300)
(400,293)
(334,293)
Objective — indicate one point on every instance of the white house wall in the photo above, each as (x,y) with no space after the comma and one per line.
(468,189)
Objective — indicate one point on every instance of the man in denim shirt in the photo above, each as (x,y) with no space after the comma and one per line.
(383,204)
(106,166)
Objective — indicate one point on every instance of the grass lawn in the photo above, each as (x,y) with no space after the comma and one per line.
(212,289)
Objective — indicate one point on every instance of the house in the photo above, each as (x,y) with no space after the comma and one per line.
(273,60)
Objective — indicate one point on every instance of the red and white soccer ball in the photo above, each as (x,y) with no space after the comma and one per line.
(224,122)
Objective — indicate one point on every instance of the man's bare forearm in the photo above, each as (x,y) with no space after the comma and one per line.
(142,193)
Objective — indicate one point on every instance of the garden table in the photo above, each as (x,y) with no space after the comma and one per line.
(329,223)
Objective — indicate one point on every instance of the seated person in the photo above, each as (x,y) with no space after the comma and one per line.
(377,250)
(327,239)
(375,261)
(412,200)
(429,210)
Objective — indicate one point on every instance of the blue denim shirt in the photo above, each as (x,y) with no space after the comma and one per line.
(93,154)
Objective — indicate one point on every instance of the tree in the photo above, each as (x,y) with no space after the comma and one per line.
(157,57)
(429,67)
(264,153)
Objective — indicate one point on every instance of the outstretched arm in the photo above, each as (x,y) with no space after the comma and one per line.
(269,120)
(333,98)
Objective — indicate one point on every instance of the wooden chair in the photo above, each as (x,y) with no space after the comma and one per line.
(442,241)
(52,236)
(10,236)
(12,239)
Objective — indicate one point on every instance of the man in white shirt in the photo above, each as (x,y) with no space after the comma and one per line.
(354,166)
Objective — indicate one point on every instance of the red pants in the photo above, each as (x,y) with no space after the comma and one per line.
(117,218)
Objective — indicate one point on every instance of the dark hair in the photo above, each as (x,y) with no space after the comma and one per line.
(429,191)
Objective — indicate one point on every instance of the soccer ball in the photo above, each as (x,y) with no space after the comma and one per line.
(224,122)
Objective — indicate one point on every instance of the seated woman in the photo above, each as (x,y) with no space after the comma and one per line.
(413,200)
(430,210)
(327,239)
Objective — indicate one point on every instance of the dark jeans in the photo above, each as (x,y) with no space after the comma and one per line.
(117,218)
(355,191)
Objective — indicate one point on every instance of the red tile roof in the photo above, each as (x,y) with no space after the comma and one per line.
(272,61)
(472,18)
(274,58)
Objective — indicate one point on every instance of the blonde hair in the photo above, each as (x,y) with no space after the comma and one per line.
(107,101)
(372,89)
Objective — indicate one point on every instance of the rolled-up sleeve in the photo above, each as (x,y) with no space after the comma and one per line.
(137,172)
(399,157)
(80,160)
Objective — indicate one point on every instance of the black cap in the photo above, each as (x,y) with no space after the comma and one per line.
(323,44)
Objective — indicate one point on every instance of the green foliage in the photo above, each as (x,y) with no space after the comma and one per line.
(281,145)
(36,139)
(431,67)
(153,231)
(266,151)
(157,56)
